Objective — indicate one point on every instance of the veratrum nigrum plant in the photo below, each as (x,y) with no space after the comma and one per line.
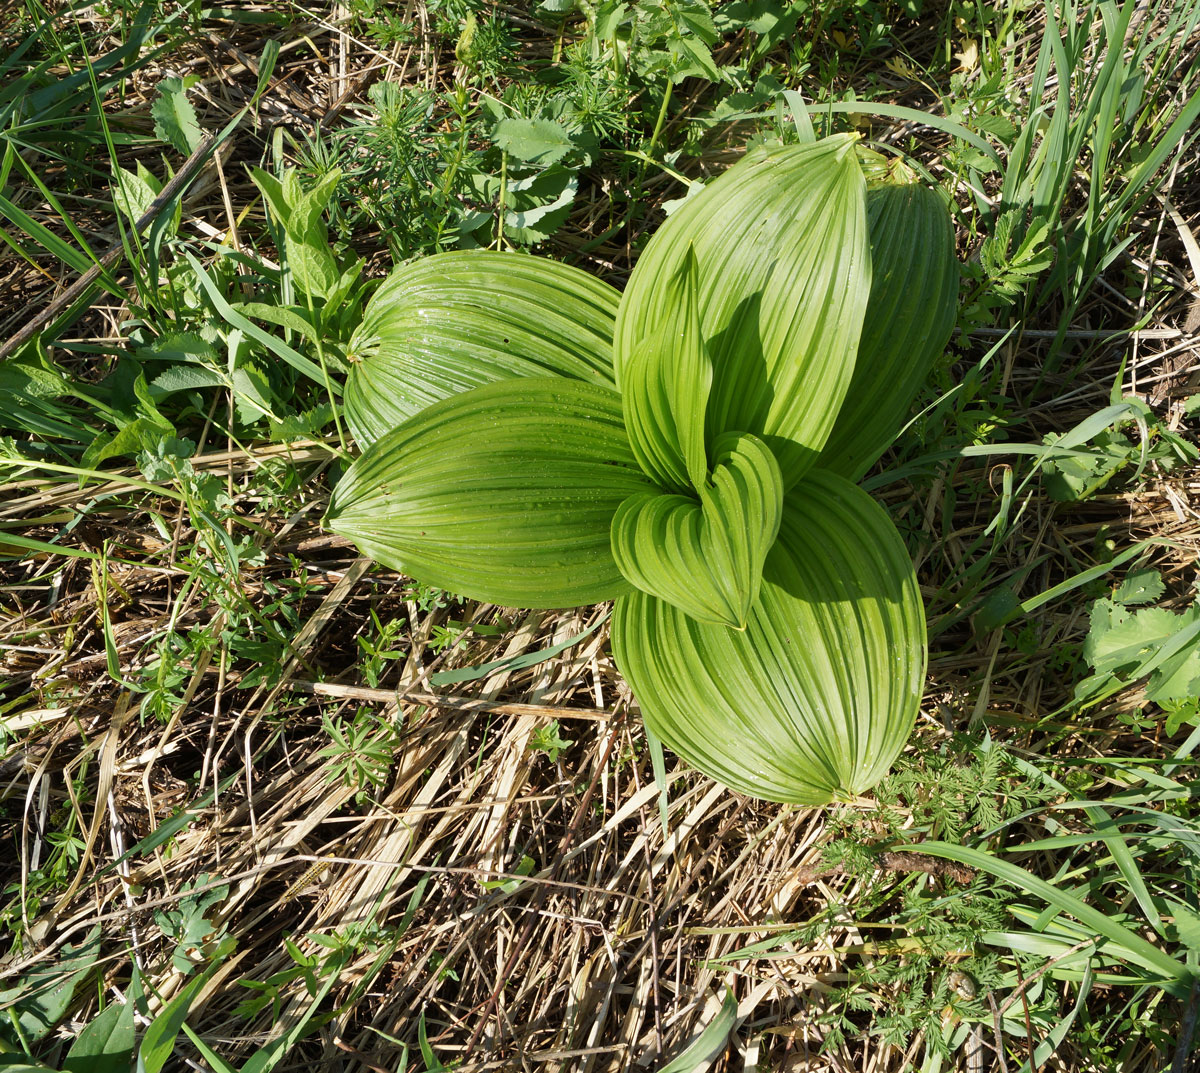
(688,449)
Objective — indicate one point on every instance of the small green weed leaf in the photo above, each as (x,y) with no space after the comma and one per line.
(174,117)
(1187,925)
(313,266)
(503,493)
(188,924)
(783,276)
(185,378)
(450,322)
(535,141)
(526,864)
(295,318)
(302,426)
(665,390)
(32,375)
(1180,713)
(177,347)
(706,558)
(42,997)
(1139,587)
(105,1045)
(304,219)
(787,709)
(1178,678)
(1072,477)
(133,192)
(273,193)
(540,210)
(139,428)
(299,212)
(511,663)
(293,194)
(910,314)
(548,740)
(1128,645)
(692,58)
(607,19)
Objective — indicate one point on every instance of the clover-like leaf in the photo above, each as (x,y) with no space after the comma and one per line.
(706,556)
(816,697)
(503,493)
(782,278)
(453,321)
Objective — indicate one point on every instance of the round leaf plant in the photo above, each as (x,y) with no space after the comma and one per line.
(687,449)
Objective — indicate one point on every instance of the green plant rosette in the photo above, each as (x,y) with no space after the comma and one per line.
(768,618)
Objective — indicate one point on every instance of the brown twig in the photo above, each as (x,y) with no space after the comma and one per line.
(113,254)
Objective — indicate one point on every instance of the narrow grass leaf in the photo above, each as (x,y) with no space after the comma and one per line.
(276,346)
(267,1058)
(911,115)
(206,1052)
(1122,939)
(158,1041)
(512,663)
(710,1044)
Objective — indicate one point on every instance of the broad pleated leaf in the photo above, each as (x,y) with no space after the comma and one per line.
(705,556)
(910,314)
(665,389)
(816,697)
(450,322)
(504,493)
(783,274)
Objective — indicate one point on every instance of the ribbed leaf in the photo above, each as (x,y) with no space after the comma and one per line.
(706,556)
(504,493)
(665,388)
(453,321)
(910,314)
(815,698)
(780,242)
